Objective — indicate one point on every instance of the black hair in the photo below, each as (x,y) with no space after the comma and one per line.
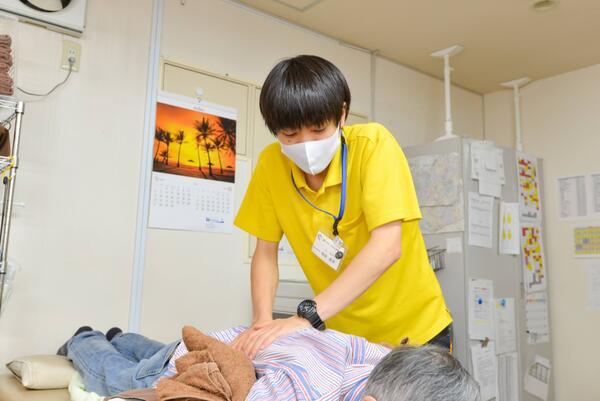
(303,91)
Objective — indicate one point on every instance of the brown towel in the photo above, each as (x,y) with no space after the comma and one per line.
(144,394)
(211,371)
(4,141)
(6,59)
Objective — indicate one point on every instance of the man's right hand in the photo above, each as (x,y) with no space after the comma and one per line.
(243,340)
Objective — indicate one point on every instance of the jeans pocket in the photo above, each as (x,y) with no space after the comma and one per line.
(157,362)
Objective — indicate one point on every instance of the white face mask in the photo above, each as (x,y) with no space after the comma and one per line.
(312,157)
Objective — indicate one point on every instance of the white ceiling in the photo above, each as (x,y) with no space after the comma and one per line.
(503,39)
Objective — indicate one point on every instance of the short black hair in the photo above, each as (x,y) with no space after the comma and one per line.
(303,91)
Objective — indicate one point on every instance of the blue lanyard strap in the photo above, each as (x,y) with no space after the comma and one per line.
(336,220)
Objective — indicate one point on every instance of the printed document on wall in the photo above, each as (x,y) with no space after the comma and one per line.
(593,284)
(505,325)
(485,370)
(594,194)
(285,253)
(487,166)
(534,266)
(572,197)
(529,188)
(194,166)
(481,312)
(481,214)
(508,235)
(586,241)
(537,378)
(454,245)
(508,377)
(536,318)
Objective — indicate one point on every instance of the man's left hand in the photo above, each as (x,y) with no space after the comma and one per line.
(265,334)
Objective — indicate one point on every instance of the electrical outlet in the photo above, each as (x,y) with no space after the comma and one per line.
(70,49)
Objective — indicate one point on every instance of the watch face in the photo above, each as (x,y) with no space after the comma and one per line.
(305,307)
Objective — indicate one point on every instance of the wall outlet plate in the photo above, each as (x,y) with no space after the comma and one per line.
(70,49)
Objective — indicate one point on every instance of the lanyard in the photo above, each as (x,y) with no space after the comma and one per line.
(336,220)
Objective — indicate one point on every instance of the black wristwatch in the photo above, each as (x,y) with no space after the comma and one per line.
(307,309)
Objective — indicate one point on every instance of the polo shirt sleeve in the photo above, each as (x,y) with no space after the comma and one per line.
(257,213)
(388,192)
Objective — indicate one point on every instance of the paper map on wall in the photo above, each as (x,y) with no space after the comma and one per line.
(534,267)
(438,182)
(529,187)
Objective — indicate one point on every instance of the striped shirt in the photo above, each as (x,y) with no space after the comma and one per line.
(307,365)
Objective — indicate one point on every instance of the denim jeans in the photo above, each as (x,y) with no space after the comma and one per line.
(129,361)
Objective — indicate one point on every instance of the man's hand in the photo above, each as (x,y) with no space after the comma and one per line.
(261,334)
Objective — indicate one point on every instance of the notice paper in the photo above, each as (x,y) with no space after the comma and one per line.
(508,377)
(534,266)
(593,284)
(485,370)
(529,188)
(572,197)
(481,313)
(487,166)
(537,378)
(505,324)
(586,242)
(285,253)
(480,220)
(454,245)
(536,318)
(594,180)
(508,235)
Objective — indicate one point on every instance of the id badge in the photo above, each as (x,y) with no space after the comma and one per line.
(329,250)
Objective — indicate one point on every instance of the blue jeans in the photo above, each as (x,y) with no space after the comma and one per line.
(129,361)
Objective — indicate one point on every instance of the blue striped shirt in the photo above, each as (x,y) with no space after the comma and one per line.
(307,365)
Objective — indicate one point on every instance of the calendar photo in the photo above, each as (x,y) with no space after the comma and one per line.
(193,143)
(193,175)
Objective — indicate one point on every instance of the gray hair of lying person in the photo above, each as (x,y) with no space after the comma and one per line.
(426,373)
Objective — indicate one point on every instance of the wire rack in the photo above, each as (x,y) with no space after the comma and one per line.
(8,173)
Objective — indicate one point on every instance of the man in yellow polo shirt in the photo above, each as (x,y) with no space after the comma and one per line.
(344,198)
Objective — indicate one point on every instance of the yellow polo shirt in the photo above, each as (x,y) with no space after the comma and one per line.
(406,301)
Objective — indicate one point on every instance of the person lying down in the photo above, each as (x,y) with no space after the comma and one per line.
(304,365)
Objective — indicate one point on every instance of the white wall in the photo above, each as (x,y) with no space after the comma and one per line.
(411,105)
(561,124)
(78,177)
(81,158)
(249,44)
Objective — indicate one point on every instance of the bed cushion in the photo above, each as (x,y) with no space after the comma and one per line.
(42,372)
(12,390)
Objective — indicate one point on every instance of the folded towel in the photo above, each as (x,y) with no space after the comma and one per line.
(5,40)
(211,371)
(144,394)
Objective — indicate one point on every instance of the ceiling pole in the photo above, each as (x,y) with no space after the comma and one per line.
(515,85)
(446,54)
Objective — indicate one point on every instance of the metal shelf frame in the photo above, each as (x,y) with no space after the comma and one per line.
(8,171)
